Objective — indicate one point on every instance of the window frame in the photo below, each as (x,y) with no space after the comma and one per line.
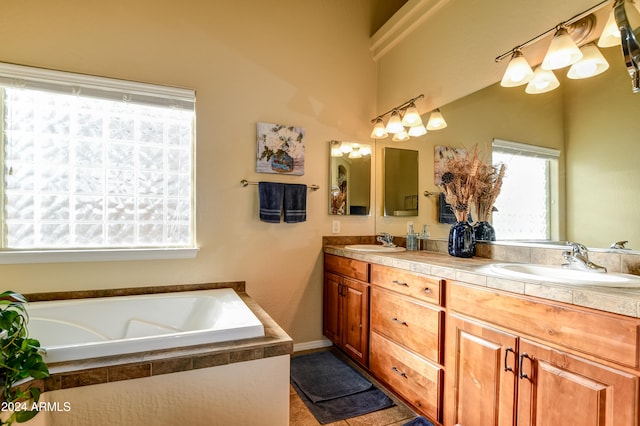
(552,156)
(12,75)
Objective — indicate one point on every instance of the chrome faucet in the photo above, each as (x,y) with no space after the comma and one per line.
(619,245)
(578,258)
(386,239)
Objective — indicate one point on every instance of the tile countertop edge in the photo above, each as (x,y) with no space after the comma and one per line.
(276,342)
(613,300)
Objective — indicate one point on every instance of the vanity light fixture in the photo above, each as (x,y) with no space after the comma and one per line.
(543,81)
(436,120)
(563,51)
(518,71)
(592,63)
(404,122)
(336,150)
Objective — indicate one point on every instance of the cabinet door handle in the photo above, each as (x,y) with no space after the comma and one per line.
(523,375)
(398,372)
(401,283)
(396,320)
(507,367)
(427,290)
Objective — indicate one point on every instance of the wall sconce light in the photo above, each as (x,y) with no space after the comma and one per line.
(563,51)
(405,122)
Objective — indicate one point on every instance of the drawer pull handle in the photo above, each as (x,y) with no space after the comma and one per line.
(398,372)
(427,290)
(396,320)
(523,375)
(507,367)
(400,283)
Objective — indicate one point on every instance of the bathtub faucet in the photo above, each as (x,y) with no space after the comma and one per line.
(578,258)
(386,239)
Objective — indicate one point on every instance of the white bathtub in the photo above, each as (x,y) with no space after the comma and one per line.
(89,328)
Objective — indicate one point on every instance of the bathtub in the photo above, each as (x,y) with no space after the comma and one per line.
(89,328)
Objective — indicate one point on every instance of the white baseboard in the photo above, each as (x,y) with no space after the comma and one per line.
(316,344)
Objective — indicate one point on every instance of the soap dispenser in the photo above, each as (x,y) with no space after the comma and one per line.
(422,238)
(412,239)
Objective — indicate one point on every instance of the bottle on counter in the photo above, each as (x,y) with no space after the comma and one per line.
(412,239)
(422,238)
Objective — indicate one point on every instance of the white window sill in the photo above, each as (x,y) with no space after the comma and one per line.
(96,255)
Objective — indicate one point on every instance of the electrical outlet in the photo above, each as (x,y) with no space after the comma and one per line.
(409,225)
(335,227)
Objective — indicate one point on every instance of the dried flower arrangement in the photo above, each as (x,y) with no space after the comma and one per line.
(466,180)
(459,182)
(489,183)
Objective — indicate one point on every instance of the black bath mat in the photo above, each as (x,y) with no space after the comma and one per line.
(333,390)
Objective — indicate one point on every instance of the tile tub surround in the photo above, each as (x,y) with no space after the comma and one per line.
(614,300)
(93,371)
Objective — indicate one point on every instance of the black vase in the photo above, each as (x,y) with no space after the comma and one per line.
(484,231)
(462,241)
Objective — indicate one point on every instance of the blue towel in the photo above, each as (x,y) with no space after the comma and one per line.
(295,203)
(271,199)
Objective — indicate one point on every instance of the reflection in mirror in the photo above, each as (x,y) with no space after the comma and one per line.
(349,178)
(594,123)
(400,182)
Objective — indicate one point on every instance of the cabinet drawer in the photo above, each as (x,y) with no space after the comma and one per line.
(347,267)
(415,379)
(414,285)
(414,325)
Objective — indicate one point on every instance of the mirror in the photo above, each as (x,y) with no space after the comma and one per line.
(594,122)
(400,182)
(349,178)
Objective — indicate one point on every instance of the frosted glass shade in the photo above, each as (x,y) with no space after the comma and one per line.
(592,63)
(543,81)
(401,136)
(436,121)
(379,131)
(394,125)
(411,116)
(419,130)
(518,71)
(562,52)
(610,34)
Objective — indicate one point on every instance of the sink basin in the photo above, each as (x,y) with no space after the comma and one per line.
(561,275)
(378,248)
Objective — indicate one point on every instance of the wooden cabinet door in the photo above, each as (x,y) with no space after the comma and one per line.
(561,389)
(355,320)
(481,374)
(331,307)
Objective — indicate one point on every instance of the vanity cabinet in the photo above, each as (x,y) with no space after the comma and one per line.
(406,347)
(346,306)
(518,361)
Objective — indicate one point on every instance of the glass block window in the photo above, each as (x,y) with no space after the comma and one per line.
(524,206)
(95,163)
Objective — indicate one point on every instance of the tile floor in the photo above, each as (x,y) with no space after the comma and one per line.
(397,415)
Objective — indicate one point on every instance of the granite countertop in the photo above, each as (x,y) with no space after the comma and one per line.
(623,301)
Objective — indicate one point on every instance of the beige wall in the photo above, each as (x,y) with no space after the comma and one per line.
(303,63)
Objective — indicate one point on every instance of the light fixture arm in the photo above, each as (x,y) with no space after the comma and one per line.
(630,45)
(564,24)
(398,108)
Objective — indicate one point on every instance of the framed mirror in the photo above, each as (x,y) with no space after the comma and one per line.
(400,182)
(349,178)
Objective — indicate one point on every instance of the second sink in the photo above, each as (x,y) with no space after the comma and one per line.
(561,275)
